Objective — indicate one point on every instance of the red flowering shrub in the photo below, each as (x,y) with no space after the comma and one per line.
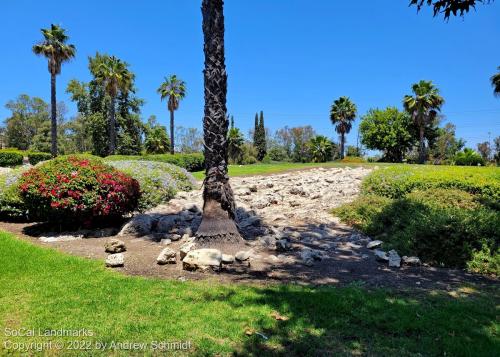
(78,188)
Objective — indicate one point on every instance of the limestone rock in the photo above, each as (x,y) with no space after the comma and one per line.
(374,244)
(115,246)
(167,256)
(186,248)
(203,259)
(227,259)
(415,261)
(115,260)
(394,259)
(138,226)
(243,255)
(381,256)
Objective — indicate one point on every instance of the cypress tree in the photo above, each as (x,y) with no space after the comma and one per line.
(261,138)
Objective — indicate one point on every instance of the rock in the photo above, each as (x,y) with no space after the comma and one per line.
(381,256)
(374,244)
(243,255)
(411,260)
(115,260)
(115,246)
(167,256)
(227,259)
(203,259)
(138,226)
(269,185)
(283,245)
(167,223)
(268,241)
(253,188)
(193,207)
(250,221)
(166,241)
(186,248)
(354,246)
(294,204)
(298,191)
(260,204)
(60,238)
(310,254)
(175,237)
(394,259)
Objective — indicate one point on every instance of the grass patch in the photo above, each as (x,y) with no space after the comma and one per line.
(42,288)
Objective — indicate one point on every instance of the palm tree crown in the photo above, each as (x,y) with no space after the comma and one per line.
(112,73)
(54,48)
(174,89)
(495,82)
(342,114)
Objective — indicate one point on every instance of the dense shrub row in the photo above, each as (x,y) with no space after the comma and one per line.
(77,189)
(190,162)
(447,216)
(36,157)
(159,181)
(10,158)
(11,204)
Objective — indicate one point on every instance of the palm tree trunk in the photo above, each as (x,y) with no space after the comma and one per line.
(421,149)
(172,145)
(53,118)
(112,127)
(218,223)
(342,141)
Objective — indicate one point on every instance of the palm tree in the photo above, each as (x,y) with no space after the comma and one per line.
(495,82)
(218,222)
(321,148)
(175,90)
(57,51)
(342,114)
(423,106)
(113,74)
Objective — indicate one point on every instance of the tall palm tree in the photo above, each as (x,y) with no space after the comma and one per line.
(495,82)
(423,106)
(342,114)
(57,51)
(175,90)
(218,222)
(114,75)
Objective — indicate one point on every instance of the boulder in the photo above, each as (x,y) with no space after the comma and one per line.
(186,248)
(115,246)
(283,245)
(203,259)
(394,259)
(138,226)
(115,260)
(374,244)
(175,237)
(411,261)
(167,256)
(381,256)
(167,223)
(310,254)
(243,255)
(227,259)
(250,221)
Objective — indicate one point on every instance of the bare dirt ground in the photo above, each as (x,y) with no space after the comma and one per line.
(289,207)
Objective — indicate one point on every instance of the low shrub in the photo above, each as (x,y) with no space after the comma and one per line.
(78,189)
(9,157)
(446,227)
(278,153)
(353,160)
(159,181)
(11,204)
(468,157)
(190,162)
(36,157)
(397,181)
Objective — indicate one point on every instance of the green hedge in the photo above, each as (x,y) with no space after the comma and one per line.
(190,162)
(36,157)
(10,157)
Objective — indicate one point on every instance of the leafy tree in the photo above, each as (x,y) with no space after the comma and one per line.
(235,143)
(174,90)
(57,51)
(496,141)
(354,151)
(284,139)
(113,74)
(446,145)
(190,139)
(342,114)
(301,137)
(495,82)
(484,150)
(448,7)
(219,208)
(320,148)
(423,106)
(388,130)
(468,157)
(157,140)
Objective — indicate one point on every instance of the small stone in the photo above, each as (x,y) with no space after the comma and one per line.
(374,244)
(283,245)
(115,260)
(381,256)
(294,204)
(253,188)
(167,256)
(175,237)
(394,259)
(354,246)
(166,241)
(60,238)
(411,261)
(227,259)
(269,185)
(115,246)
(185,249)
(243,255)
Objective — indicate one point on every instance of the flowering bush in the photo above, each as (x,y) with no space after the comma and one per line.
(78,189)
(159,181)
(11,204)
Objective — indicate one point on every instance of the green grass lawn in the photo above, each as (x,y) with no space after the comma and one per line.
(262,169)
(44,289)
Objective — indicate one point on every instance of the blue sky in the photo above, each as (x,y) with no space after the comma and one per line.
(290,58)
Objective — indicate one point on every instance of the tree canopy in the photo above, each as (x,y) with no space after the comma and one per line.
(448,7)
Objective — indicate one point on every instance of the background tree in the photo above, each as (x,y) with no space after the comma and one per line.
(423,107)
(389,131)
(235,143)
(354,151)
(496,154)
(190,139)
(448,7)
(57,51)
(342,114)
(218,208)
(156,140)
(484,150)
(255,132)
(446,145)
(301,136)
(320,148)
(284,139)
(113,74)
(495,82)
(260,138)
(175,90)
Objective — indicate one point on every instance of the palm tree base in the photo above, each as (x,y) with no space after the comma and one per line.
(217,226)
